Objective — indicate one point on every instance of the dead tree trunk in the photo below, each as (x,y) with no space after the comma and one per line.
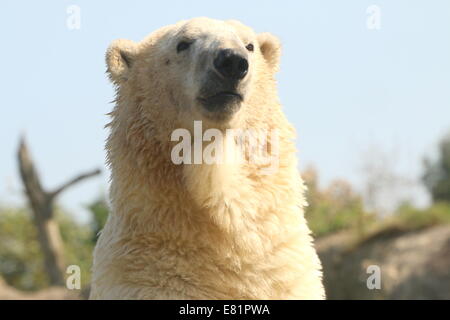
(42,206)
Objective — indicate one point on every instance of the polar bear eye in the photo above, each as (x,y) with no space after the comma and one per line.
(183,45)
(250,47)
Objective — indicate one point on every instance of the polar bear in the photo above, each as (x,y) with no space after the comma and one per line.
(196,229)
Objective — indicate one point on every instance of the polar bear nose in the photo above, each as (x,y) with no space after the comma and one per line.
(231,65)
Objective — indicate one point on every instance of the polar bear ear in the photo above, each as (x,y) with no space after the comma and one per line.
(119,59)
(270,48)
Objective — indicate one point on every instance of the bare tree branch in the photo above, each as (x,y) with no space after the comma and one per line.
(74,181)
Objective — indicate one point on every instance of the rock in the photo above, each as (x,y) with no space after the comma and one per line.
(413,265)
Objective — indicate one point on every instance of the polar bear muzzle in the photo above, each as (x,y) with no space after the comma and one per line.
(222,92)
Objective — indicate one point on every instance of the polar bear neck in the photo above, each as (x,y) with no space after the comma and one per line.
(228,220)
(145,182)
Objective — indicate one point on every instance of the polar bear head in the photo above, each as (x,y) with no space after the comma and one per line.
(199,69)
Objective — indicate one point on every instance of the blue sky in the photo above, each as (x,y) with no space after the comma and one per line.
(346,88)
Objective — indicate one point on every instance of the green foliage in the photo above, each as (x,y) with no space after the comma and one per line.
(437,173)
(409,218)
(335,208)
(21,259)
(99,210)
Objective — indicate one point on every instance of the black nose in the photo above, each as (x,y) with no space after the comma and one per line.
(231,65)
